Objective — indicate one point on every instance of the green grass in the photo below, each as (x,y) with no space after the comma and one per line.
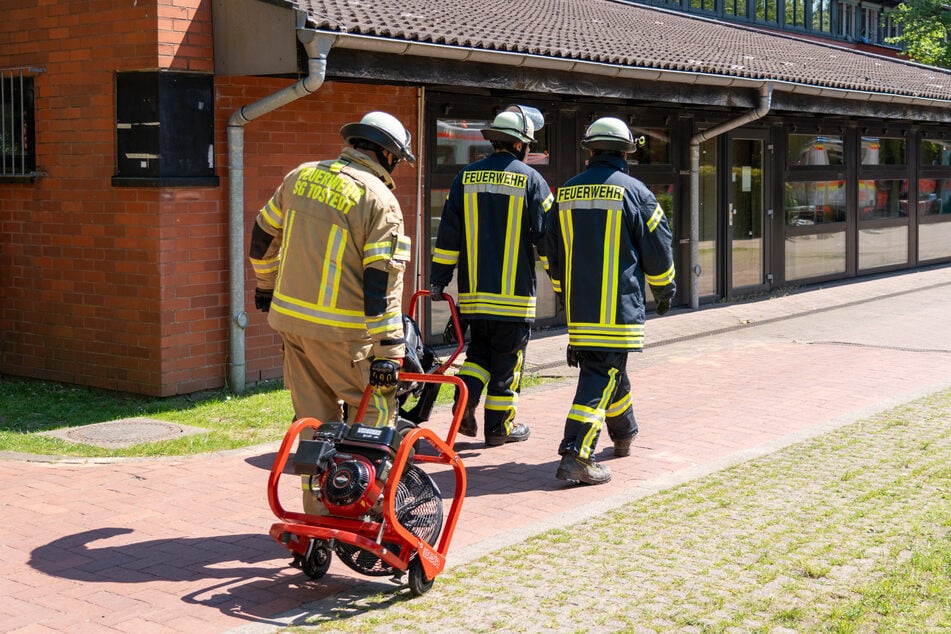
(261,415)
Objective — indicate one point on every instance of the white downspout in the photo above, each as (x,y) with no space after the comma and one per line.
(765,102)
(317,45)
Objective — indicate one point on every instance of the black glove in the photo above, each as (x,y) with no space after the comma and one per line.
(435,293)
(573,356)
(262,299)
(384,372)
(663,306)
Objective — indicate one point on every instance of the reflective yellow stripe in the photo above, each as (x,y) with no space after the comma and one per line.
(264,267)
(404,249)
(587,443)
(474,370)
(663,279)
(620,336)
(332,270)
(567,237)
(609,266)
(471,218)
(444,256)
(273,214)
(497,304)
(546,204)
(620,406)
(376,251)
(513,235)
(383,323)
(318,314)
(501,403)
(655,218)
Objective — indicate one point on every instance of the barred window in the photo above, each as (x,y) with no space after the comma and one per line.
(17,126)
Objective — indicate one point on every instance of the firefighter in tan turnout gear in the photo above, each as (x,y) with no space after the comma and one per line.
(328,252)
(607,236)
(492,220)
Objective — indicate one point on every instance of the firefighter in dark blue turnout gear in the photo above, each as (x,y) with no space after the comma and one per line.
(607,237)
(492,222)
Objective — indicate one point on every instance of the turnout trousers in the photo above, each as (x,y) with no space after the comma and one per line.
(323,377)
(494,361)
(603,395)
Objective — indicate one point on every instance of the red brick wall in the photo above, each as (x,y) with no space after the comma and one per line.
(277,142)
(127,288)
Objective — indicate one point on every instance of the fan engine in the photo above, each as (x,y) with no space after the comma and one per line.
(348,468)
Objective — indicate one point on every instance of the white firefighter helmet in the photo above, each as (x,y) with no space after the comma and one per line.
(608,133)
(384,130)
(515,123)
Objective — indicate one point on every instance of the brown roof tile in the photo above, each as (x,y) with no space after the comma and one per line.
(618,33)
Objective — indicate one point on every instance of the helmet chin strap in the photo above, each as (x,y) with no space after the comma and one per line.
(389,164)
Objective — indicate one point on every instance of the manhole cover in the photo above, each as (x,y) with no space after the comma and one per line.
(125,432)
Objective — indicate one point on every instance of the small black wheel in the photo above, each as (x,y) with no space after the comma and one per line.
(418,583)
(318,563)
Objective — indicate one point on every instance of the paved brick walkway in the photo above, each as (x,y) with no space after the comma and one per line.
(181,545)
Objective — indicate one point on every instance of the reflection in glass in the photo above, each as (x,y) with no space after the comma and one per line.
(708,220)
(814,202)
(883,246)
(815,255)
(935,152)
(883,199)
(934,196)
(439,311)
(460,142)
(656,148)
(934,240)
(883,151)
(811,149)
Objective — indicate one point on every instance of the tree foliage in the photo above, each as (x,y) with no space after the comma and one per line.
(926,31)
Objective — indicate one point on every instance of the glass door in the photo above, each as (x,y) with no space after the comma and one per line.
(746,213)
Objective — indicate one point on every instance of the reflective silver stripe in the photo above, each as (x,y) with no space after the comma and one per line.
(663,279)
(513,235)
(442,256)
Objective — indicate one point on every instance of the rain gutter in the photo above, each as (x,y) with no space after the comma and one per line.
(765,101)
(318,45)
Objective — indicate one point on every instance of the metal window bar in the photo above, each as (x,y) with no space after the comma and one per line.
(15,155)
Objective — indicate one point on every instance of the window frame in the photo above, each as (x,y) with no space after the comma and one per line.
(18,109)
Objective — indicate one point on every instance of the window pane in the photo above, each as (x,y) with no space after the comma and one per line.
(883,151)
(810,149)
(656,147)
(708,217)
(766,10)
(821,19)
(883,199)
(460,142)
(934,196)
(439,311)
(934,240)
(815,202)
(883,247)
(795,13)
(815,255)
(935,152)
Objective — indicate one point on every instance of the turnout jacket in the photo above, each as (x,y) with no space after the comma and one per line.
(330,244)
(492,218)
(607,235)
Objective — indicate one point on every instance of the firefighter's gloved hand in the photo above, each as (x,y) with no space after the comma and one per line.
(385,372)
(663,306)
(435,293)
(573,356)
(262,299)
